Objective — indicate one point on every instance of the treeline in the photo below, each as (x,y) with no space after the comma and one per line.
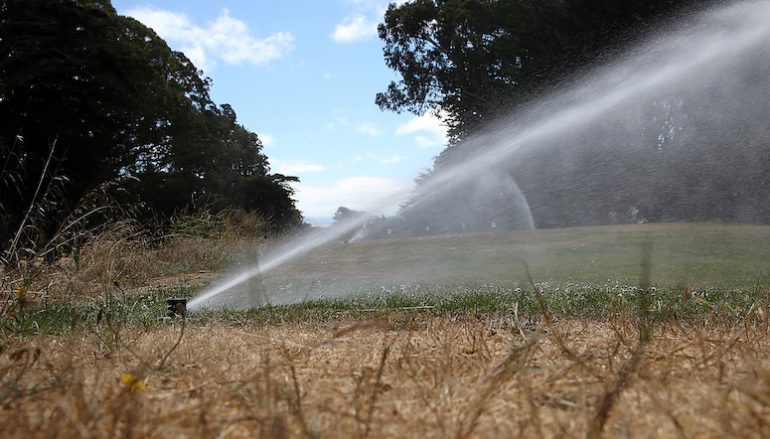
(97,114)
(694,149)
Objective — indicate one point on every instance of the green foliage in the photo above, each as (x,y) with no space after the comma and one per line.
(474,58)
(109,101)
(60,316)
(343,213)
(111,313)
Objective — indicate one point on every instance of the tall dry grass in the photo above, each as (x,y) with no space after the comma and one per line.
(123,257)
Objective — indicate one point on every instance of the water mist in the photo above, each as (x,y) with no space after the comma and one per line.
(666,133)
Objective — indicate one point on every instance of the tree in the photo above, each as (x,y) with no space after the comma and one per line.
(108,100)
(343,213)
(475,58)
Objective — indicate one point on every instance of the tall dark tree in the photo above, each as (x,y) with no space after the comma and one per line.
(88,96)
(474,58)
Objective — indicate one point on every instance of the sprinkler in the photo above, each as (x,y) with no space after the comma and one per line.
(176,307)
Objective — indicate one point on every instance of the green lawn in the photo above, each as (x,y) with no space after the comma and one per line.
(590,271)
(697,257)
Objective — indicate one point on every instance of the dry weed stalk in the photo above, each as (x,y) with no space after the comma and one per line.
(12,256)
(622,381)
(494,381)
(295,406)
(610,396)
(367,391)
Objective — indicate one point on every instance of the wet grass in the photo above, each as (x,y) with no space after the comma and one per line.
(696,256)
(579,273)
(63,316)
(568,301)
(563,301)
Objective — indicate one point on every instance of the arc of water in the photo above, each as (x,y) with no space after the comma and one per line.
(691,53)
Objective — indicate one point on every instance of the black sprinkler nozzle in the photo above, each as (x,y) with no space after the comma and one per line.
(176,307)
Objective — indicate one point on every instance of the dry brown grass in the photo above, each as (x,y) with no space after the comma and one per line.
(407,374)
(123,258)
(134,263)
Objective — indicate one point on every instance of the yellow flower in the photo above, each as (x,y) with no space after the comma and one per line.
(133,382)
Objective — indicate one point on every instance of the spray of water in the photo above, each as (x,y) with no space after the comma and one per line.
(698,57)
(291,250)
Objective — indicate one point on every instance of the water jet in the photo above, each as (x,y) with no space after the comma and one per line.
(674,131)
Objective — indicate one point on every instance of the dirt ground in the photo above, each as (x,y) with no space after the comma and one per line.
(408,374)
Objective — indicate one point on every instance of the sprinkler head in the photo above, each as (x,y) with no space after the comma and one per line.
(176,307)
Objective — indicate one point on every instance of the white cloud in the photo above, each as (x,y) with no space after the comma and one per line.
(427,142)
(362,22)
(267,139)
(226,39)
(370,129)
(296,167)
(372,194)
(354,28)
(391,160)
(429,128)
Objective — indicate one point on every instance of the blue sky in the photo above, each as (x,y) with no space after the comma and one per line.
(303,75)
